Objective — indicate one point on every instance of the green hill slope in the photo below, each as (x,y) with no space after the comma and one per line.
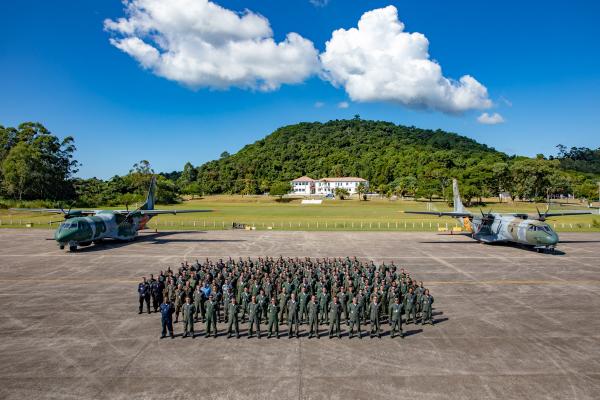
(381,152)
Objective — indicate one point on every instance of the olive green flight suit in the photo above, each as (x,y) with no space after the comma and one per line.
(188,319)
(374,316)
(211,318)
(292,318)
(232,312)
(354,312)
(335,311)
(313,319)
(272,312)
(426,303)
(396,319)
(253,319)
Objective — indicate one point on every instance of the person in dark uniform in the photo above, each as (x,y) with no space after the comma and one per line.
(144,295)
(166,318)
(156,291)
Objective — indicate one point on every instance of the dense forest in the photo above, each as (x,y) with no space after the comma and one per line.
(397,160)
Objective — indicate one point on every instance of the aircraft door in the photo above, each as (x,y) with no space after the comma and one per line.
(522,233)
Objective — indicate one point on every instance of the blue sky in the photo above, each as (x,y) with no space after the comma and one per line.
(539,61)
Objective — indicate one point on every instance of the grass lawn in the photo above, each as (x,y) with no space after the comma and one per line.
(266,213)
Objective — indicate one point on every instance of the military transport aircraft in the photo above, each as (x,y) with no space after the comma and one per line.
(84,227)
(521,228)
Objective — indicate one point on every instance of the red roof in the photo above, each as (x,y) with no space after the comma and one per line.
(303,179)
(343,179)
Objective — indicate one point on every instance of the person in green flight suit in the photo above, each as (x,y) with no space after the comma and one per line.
(232,312)
(253,318)
(261,299)
(188,318)
(283,300)
(426,303)
(354,314)
(272,314)
(313,317)
(211,317)
(396,319)
(292,319)
(409,306)
(374,317)
(302,301)
(245,301)
(323,298)
(335,311)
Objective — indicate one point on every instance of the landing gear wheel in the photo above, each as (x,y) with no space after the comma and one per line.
(72,248)
(62,247)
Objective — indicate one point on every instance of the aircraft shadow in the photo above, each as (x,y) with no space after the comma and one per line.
(578,241)
(153,238)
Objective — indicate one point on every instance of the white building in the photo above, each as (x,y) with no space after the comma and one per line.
(307,186)
(303,186)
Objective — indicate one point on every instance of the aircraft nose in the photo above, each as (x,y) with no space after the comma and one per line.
(62,236)
(549,239)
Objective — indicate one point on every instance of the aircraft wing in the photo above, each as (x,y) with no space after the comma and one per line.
(174,212)
(567,212)
(56,211)
(454,214)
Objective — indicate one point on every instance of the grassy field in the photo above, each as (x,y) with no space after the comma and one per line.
(265,213)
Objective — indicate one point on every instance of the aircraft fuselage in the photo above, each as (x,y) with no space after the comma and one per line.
(509,228)
(82,231)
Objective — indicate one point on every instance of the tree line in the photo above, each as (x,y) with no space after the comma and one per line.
(396,160)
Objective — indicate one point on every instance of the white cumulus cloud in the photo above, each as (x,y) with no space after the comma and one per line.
(319,104)
(379,61)
(343,104)
(201,44)
(490,119)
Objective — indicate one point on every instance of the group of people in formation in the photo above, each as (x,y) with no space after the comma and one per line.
(292,291)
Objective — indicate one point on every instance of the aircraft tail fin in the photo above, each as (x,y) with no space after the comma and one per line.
(149,204)
(458,205)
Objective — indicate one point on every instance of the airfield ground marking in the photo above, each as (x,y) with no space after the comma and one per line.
(501,293)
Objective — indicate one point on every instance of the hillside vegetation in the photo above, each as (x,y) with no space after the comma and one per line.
(35,165)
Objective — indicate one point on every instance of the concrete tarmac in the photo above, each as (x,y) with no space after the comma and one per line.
(510,323)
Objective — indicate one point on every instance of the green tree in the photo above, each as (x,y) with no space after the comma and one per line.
(341,193)
(19,170)
(280,189)
(361,190)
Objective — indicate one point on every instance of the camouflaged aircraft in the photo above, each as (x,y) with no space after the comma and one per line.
(491,227)
(84,227)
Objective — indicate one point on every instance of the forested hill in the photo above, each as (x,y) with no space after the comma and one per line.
(378,151)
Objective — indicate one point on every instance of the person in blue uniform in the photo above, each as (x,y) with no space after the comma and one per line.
(166,317)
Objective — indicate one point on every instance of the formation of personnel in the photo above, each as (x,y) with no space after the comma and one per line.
(295,292)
